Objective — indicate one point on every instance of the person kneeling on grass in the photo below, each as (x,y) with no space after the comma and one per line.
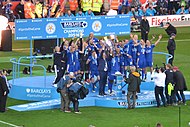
(77,91)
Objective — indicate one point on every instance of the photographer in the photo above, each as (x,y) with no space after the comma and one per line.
(62,88)
(169,28)
(77,91)
(159,80)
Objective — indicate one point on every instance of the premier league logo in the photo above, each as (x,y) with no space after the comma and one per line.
(96,26)
(50,28)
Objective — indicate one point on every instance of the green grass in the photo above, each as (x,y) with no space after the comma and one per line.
(98,116)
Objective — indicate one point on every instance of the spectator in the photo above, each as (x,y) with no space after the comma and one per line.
(133,13)
(96,6)
(180,84)
(69,14)
(159,125)
(1,5)
(80,13)
(106,6)
(125,6)
(150,11)
(181,10)
(162,6)
(135,3)
(20,10)
(187,11)
(73,6)
(142,11)
(86,5)
(89,13)
(114,5)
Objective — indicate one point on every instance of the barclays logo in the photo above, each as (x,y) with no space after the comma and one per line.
(38,91)
(28,90)
(74,24)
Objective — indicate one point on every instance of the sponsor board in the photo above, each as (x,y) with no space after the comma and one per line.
(155,21)
(29,29)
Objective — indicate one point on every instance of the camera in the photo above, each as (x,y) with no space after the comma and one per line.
(156,69)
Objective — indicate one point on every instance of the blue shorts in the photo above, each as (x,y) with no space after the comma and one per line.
(77,66)
(142,63)
(94,73)
(149,63)
(134,62)
(111,75)
(127,61)
(71,68)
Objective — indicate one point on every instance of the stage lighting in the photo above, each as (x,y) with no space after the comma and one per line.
(3,26)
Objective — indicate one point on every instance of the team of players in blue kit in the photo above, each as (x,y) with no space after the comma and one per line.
(83,57)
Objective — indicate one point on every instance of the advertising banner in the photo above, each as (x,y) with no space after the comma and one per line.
(48,28)
(155,21)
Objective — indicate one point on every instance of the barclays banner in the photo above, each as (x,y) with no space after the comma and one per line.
(48,28)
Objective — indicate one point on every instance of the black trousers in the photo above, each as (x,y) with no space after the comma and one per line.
(182,98)
(59,72)
(144,36)
(75,104)
(3,100)
(171,52)
(170,99)
(102,82)
(159,91)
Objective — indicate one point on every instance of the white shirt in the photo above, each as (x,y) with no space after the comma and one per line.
(159,79)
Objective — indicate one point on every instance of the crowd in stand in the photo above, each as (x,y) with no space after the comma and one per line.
(70,8)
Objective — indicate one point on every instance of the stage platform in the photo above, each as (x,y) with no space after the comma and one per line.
(46,96)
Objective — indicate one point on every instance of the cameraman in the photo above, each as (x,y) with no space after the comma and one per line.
(62,88)
(76,91)
(159,80)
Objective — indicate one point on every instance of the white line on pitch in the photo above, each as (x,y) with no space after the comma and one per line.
(9,124)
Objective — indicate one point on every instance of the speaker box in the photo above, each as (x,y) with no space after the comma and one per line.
(44,46)
(6,40)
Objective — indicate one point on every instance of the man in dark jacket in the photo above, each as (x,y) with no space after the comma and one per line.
(20,9)
(59,63)
(134,82)
(170,96)
(145,28)
(170,29)
(3,93)
(171,47)
(180,84)
(103,72)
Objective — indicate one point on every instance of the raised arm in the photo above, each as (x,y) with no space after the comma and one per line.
(159,38)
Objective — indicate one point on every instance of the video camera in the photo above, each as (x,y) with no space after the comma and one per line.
(157,68)
(78,78)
